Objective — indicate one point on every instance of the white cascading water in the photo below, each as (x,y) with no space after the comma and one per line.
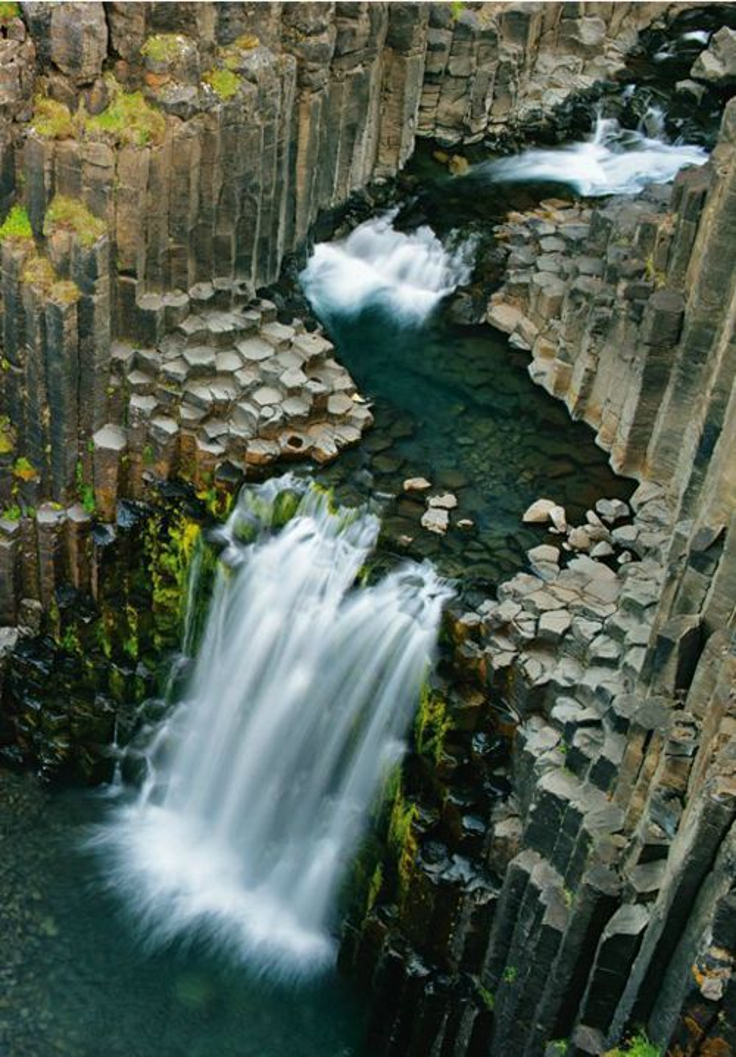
(262,779)
(406,273)
(614,161)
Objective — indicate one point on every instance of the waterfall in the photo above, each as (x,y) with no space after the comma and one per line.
(406,273)
(262,779)
(614,160)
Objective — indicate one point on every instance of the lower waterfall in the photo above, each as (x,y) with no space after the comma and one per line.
(261,781)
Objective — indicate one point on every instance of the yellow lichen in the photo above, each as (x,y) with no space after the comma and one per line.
(51,120)
(39,272)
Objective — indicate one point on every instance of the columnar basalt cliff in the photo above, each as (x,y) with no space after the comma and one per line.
(158,163)
(598,899)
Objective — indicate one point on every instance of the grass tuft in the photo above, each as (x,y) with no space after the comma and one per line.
(69,214)
(224,83)
(51,120)
(38,271)
(8,12)
(164,47)
(127,120)
(16,225)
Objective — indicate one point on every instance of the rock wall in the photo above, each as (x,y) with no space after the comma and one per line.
(596,901)
(161,162)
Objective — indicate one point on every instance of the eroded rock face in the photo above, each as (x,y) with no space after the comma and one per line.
(78,40)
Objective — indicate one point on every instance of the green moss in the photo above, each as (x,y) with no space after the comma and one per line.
(24,470)
(432,724)
(285,506)
(401,839)
(70,640)
(169,551)
(70,214)
(560,1047)
(164,47)
(12,512)
(51,119)
(510,974)
(456,8)
(128,119)
(638,1046)
(6,441)
(218,501)
(130,640)
(374,888)
(16,225)
(224,83)
(8,12)
(85,491)
(487,997)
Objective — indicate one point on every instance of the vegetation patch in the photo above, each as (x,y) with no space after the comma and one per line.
(8,12)
(65,292)
(164,47)
(432,724)
(69,214)
(487,997)
(38,271)
(24,470)
(51,120)
(128,120)
(401,838)
(638,1046)
(16,226)
(247,41)
(7,442)
(224,83)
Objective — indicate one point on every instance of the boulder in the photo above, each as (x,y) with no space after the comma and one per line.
(717,64)
(436,520)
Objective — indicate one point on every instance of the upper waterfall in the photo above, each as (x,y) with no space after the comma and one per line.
(407,273)
(261,780)
(614,160)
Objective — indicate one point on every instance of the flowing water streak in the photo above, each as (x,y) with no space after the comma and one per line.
(613,161)
(262,779)
(407,273)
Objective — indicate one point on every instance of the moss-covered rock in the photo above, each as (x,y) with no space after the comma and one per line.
(71,214)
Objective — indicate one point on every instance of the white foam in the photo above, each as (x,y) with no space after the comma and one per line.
(614,161)
(406,273)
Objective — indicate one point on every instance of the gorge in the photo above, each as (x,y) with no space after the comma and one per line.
(367,529)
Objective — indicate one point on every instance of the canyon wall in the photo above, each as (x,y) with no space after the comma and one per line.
(159,164)
(598,900)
